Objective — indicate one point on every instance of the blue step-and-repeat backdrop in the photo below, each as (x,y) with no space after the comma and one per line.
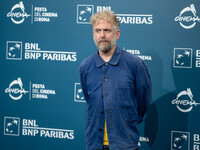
(42,44)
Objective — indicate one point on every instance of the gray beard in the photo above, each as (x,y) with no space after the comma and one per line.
(106,47)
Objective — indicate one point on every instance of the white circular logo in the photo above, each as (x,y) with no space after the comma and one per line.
(185,105)
(16,89)
(18,13)
(187,20)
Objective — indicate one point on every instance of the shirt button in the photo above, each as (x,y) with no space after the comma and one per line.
(102,112)
(102,96)
(106,79)
(100,129)
(106,64)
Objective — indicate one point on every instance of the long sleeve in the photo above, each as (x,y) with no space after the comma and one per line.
(143,89)
(83,83)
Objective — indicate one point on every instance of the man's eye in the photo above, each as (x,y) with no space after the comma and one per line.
(97,30)
(107,30)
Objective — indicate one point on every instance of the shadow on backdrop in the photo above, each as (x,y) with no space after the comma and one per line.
(164,116)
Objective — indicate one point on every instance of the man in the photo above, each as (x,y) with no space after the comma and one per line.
(117,89)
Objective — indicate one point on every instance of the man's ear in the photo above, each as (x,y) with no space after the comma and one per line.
(118,34)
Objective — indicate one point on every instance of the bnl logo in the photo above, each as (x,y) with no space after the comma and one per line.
(78,93)
(180,140)
(11,126)
(84,12)
(182,58)
(14,50)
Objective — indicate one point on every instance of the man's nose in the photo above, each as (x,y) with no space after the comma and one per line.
(102,34)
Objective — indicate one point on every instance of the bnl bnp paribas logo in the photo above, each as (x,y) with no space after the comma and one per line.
(78,93)
(29,127)
(185,101)
(183,58)
(14,50)
(32,51)
(180,140)
(11,126)
(84,12)
(18,14)
(188,18)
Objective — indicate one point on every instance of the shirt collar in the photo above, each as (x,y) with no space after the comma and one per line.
(113,61)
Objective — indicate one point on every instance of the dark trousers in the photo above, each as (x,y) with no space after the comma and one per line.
(106,147)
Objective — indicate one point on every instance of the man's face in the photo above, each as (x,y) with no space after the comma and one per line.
(105,35)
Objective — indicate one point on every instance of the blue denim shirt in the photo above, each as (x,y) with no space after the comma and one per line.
(120,91)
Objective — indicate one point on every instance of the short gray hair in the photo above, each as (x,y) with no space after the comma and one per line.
(106,15)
